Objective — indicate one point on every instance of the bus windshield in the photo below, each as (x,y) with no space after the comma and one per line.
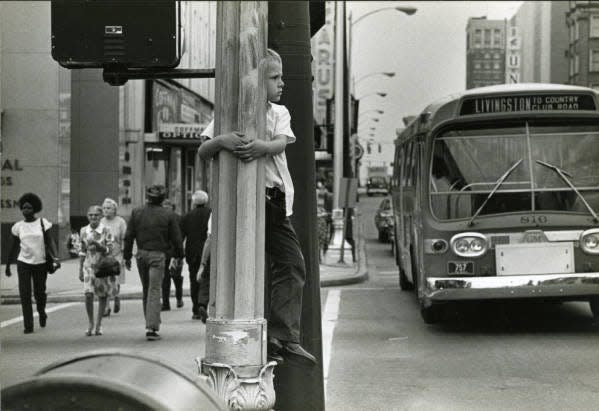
(469,166)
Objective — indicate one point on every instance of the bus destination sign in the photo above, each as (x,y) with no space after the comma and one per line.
(527,103)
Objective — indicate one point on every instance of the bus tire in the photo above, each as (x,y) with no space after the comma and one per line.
(430,314)
(404,283)
(594,302)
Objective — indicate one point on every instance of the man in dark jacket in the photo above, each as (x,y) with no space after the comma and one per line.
(194,226)
(156,231)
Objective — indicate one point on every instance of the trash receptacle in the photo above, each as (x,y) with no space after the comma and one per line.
(110,380)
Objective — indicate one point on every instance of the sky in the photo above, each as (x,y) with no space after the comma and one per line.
(427,51)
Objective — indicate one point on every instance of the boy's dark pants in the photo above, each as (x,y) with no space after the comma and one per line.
(287,274)
(37,274)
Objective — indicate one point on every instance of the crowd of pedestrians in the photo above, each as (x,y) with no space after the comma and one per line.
(160,234)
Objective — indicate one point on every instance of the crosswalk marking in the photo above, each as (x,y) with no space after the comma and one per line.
(49,310)
(329,321)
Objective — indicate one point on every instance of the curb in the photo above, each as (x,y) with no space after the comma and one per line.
(361,273)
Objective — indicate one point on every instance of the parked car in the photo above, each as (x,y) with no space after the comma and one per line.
(377,185)
(383,220)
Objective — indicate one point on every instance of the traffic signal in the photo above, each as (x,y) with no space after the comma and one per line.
(116,33)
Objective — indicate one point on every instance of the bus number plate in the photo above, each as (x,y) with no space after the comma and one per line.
(460,267)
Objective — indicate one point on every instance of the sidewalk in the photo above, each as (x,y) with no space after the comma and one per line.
(64,285)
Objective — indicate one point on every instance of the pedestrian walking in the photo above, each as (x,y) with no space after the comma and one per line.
(172,271)
(288,273)
(30,238)
(203,275)
(155,230)
(96,241)
(117,227)
(194,228)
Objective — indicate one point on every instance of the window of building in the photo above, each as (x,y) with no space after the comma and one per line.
(594,60)
(496,65)
(487,66)
(571,71)
(576,63)
(572,32)
(576,30)
(497,37)
(487,38)
(477,65)
(487,55)
(496,56)
(594,26)
(477,37)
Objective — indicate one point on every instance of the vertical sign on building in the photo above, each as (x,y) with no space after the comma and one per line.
(512,56)
(323,66)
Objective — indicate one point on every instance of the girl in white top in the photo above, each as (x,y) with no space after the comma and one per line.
(28,240)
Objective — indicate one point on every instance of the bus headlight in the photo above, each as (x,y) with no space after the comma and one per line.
(469,244)
(589,241)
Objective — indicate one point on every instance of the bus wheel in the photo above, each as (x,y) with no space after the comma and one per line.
(595,306)
(430,314)
(404,283)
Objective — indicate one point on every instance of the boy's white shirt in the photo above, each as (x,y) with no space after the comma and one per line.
(278,122)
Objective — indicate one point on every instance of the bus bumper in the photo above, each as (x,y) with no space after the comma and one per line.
(513,286)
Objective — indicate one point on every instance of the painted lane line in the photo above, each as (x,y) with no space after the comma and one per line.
(49,310)
(329,321)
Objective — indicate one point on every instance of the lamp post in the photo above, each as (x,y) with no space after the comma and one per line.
(370,111)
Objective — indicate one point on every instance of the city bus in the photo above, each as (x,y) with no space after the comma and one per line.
(495,195)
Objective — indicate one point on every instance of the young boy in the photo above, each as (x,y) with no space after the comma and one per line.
(288,271)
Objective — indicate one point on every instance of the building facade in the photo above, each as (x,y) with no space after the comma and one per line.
(75,140)
(538,43)
(485,52)
(582,19)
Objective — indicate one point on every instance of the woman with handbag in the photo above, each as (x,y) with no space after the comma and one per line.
(96,243)
(37,257)
(118,227)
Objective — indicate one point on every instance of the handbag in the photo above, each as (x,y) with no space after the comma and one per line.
(107,266)
(51,266)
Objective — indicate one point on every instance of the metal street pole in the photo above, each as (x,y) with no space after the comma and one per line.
(235,361)
(338,242)
(300,388)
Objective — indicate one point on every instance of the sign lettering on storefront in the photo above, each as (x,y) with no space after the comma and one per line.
(9,165)
(181,130)
(323,64)
(512,104)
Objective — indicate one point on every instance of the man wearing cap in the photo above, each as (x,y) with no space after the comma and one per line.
(156,231)
(194,226)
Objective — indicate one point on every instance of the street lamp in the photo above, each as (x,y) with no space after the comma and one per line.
(378,93)
(384,73)
(370,111)
(409,10)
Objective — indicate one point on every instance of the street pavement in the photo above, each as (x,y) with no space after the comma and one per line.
(64,285)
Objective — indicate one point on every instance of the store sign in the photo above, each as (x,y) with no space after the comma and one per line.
(323,65)
(512,57)
(181,131)
(527,103)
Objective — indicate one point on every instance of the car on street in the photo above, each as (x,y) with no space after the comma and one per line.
(383,220)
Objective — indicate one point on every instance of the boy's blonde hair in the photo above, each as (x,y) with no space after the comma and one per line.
(273,56)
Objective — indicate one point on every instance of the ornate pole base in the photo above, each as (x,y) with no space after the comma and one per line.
(245,382)
(241,392)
